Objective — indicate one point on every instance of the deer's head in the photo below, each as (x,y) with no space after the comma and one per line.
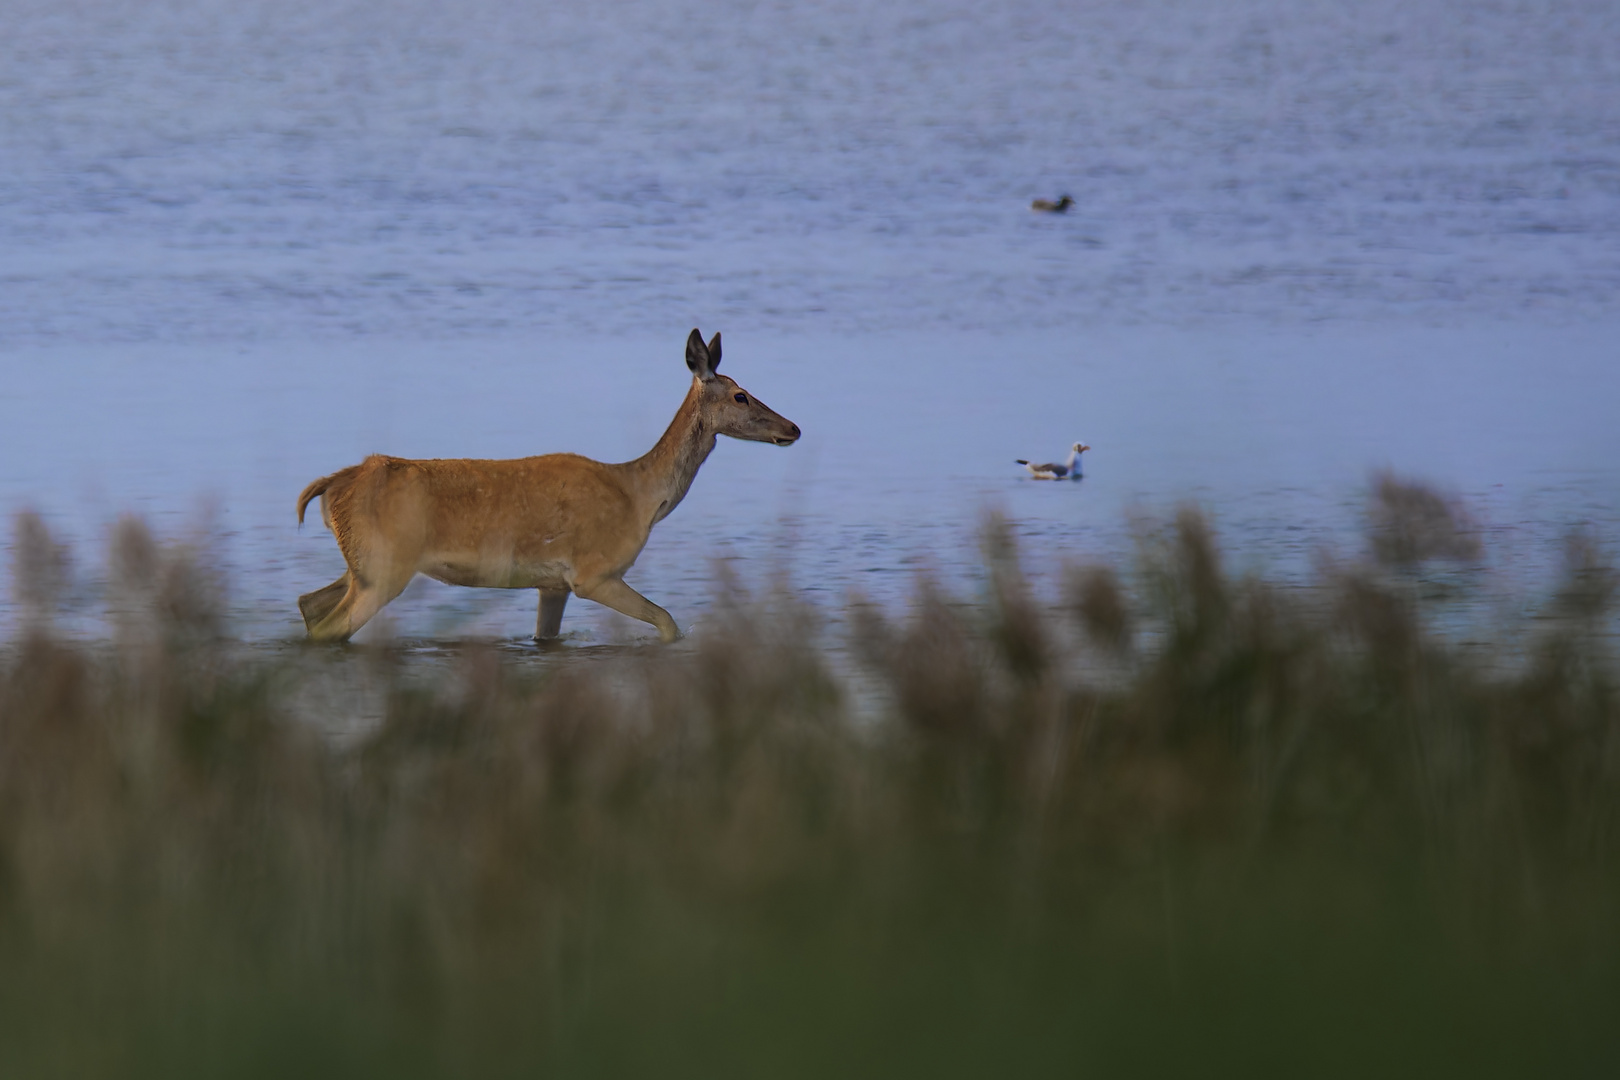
(728,409)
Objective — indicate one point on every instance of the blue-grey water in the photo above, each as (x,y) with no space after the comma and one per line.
(245,243)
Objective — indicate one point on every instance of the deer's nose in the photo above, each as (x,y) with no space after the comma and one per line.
(795,429)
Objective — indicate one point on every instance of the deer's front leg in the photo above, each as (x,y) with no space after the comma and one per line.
(614,593)
(549,625)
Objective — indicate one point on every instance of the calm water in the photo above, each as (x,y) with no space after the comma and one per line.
(243,244)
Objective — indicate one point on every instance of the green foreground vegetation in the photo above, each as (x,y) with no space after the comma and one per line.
(1181,822)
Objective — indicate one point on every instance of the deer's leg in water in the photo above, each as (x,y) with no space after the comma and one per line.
(549,625)
(359,604)
(614,593)
(317,605)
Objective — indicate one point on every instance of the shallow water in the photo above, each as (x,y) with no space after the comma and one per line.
(243,244)
(1274,432)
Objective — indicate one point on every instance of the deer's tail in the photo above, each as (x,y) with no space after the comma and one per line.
(1020,461)
(319,487)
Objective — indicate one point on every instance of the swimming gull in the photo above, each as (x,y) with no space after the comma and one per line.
(1071,471)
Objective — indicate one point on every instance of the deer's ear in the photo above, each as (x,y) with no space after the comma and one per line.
(714,352)
(698,358)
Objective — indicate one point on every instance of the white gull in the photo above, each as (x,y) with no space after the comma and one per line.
(1071,471)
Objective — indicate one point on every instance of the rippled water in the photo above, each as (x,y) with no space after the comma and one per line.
(242,244)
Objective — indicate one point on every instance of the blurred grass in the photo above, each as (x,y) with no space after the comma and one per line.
(1180,821)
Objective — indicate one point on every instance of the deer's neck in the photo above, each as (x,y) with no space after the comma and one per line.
(665,472)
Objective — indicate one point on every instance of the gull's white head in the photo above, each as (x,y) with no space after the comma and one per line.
(1074,459)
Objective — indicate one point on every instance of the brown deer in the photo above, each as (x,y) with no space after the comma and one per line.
(559,523)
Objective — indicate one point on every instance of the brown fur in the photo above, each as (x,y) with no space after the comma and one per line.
(560,523)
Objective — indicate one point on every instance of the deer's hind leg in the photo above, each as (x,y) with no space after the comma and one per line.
(549,624)
(377,524)
(361,600)
(317,605)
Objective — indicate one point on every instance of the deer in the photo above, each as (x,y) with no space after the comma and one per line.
(563,524)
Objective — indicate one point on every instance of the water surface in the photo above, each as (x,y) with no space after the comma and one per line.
(243,244)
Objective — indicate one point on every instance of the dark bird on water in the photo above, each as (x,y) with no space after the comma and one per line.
(1047,206)
(1071,471)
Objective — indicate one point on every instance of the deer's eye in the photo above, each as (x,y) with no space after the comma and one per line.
(740,397)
